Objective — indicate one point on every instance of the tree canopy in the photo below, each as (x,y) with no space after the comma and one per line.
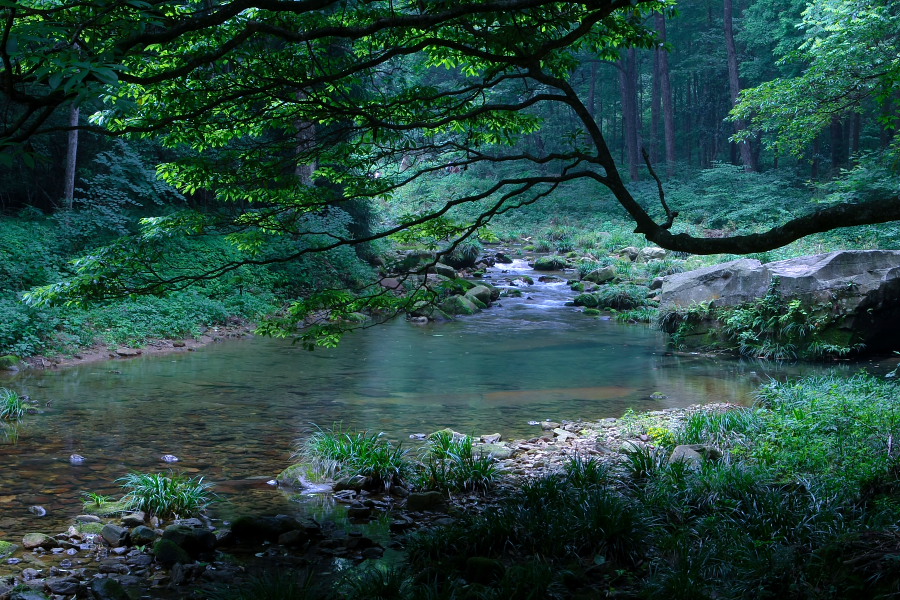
(294,115)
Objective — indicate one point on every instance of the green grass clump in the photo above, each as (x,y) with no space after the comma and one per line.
(331,453)
(166,495)
(12,407)
(621,296)
(450,464)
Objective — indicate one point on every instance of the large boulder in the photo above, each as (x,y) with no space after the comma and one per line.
(859,289)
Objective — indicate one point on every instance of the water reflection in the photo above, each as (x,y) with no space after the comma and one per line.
(232,412)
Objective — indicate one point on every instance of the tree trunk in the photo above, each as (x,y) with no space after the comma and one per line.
(628,79)
(655,111)
(665,90)
(734,84)
(838,148)
(71,158)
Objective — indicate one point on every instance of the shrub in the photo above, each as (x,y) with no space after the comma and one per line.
(166,496)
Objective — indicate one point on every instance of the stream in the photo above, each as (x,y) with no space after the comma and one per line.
(232,412)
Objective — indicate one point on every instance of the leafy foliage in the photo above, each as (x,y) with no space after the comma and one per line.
(12,406)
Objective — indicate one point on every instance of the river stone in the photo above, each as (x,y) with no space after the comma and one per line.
(602,275)
(356,483)
(418,501)
(87,519)
(492,438)
(38,540)
(498,451)
(27,595)
(587,300)
(860,289)
(445,270)
(458,305)
(114,535)
(7,549)
(169,553)
(64,586)
(193,540)
(143,535)
(563,435)
(252,528)
(550,263)
(134,519)
(686,454)
(651,253)
(630,252)
(482,292)
(108,589)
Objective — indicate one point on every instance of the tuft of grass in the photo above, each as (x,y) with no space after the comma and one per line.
(12,406)
(450,464)
(166,495)
(331,453)
(621,296)
(277,585)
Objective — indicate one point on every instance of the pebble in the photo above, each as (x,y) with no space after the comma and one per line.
(169,458)
(76,459)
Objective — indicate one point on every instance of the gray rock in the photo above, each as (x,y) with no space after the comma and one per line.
(87,519)
(860,289)
(563,435)
(193,540)
(549,425)
(685,454)
(492,438)
(651,253)
(27,595)
(134,519)
(108,589)
(64,586)
(418,501)
(459,305)
(114,535)
(143,535)
(482,293)
(602,275)
(445,270)
(498,451)
(38,540)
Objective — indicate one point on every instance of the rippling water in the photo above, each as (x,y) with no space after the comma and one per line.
(232,412)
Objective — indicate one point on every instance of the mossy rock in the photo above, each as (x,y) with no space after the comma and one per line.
(593,312)
(94,528)
(7,549)
(106,509)
(169,553)
(550,263)
(577,287)
(513,293)
(586,300)
(294,475)
(9,362)
(459,305)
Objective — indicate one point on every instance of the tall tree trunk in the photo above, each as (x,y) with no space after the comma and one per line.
(592,91)
(838,149)
(734,84)
(856,121)
(655,111)
(665,90)
(628,79)
(71,158)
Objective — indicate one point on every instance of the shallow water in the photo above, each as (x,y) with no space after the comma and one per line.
(232,412)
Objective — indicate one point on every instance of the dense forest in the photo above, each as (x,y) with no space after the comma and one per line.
(305,168)
(233,158)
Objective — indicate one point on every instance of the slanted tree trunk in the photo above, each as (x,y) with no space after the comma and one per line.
(628,80)
(734,83)
(665,91)
(71,158)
